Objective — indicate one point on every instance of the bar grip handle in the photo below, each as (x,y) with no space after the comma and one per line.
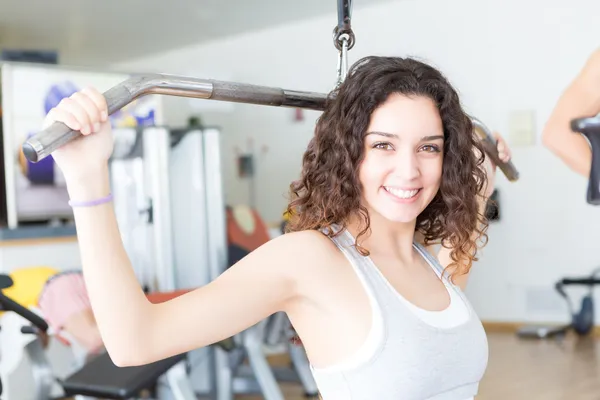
(590,128)
(490,147)
(43,143)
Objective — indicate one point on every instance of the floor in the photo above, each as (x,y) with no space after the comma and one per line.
(529,370)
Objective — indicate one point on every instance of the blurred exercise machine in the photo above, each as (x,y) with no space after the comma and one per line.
(45,142)
(582,320)
(179,234)
(98,378)
(184,225)
(590,128)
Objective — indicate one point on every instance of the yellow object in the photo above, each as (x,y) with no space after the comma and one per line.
(28,284)
(286,216)
(245,218)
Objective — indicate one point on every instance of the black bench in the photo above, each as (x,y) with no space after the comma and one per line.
(102,378)
(99,377)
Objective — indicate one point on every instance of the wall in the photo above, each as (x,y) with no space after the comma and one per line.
(503,56)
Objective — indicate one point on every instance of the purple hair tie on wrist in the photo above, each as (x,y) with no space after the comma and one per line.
(91,203)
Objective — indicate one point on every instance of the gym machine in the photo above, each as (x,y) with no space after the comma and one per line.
(582,321)
(45,142)
(100,377)
(211,206)
(5,282)
(590,128)
(168,198)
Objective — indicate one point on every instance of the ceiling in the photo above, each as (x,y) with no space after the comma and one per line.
(92,32)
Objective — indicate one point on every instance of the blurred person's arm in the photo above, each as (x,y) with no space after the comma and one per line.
(580,99)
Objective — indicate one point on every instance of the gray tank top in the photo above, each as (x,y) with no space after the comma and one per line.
(413,360)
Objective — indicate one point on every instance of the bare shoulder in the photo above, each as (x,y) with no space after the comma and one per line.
(303,246)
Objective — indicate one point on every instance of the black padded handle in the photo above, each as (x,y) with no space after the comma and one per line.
(580,281)
(11,305)
(489,145)
(590,128)
(5,281)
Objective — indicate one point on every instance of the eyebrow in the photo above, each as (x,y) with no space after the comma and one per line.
(393,135)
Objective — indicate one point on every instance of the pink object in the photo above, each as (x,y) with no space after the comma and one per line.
(63,296)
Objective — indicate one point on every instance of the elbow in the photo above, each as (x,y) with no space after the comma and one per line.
(552,142)
(547,140)
(122,362)
(131,346)
(126,358)
(128,351)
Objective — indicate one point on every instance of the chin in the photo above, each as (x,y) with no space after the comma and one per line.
(400,217)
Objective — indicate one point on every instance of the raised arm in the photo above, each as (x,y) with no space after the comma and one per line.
(580,99)
(135,331)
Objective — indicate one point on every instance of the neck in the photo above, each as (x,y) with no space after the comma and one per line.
(385,238)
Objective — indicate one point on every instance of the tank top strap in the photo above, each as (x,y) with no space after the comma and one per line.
(346,243)
(431,260)
(434,263)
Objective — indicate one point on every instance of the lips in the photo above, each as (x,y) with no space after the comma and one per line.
(402,193)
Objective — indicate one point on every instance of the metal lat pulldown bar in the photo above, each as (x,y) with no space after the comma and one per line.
(58,134)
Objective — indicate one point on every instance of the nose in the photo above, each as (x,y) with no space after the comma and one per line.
(406,165)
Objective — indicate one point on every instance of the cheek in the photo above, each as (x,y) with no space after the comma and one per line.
(372,174)
(431,172)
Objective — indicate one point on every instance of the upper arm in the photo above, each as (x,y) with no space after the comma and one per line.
(572,148)
(262,283)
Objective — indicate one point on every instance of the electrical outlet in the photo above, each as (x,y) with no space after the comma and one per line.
(521,131)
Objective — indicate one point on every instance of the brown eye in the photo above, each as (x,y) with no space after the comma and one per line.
(431,148)
(383,146)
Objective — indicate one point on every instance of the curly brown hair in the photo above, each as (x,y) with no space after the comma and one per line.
(329,191)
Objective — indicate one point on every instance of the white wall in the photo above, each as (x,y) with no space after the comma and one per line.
(503,56)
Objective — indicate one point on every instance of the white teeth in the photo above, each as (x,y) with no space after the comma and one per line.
(403,194)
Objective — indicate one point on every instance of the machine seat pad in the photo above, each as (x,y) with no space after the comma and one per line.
(102,378)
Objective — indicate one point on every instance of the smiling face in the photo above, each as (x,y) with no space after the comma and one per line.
(402,167)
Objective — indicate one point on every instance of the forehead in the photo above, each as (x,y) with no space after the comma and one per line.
(407,116)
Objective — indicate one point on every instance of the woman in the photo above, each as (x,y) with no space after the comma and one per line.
(393,163)
(580,99)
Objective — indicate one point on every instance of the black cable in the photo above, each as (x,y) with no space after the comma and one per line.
(344,25)
(344,15)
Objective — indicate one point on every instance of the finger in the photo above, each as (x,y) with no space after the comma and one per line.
(504,156)
(99,100)
(74,108)
(61,115)
(500,146)
(90,108)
